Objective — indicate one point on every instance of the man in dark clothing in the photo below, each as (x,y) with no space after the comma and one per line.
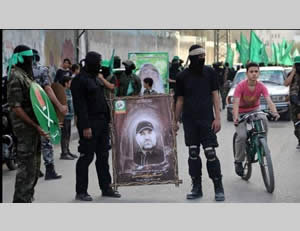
(25,125)
(92,122)
(130,84)
(148,152)
(173,71)
(197,92)
(294,92)
(64,71)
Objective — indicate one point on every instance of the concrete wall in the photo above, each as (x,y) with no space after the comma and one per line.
(53,45)
(127,41)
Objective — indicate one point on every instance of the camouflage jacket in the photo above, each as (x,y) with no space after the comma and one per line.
(294,90)
(18,95)
(124,82)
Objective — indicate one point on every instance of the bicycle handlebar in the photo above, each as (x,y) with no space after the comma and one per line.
(246,116)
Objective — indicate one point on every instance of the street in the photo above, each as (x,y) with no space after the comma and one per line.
(285,158)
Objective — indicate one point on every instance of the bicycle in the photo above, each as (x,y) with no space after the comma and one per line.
(257,146)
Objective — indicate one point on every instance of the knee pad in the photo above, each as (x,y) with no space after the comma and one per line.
(194,152)
(210,153)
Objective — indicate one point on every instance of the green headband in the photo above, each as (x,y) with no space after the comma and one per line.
(18,58)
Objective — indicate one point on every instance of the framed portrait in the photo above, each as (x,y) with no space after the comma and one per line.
(144,140)
(154,65)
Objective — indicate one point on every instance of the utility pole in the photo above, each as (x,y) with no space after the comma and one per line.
(221,39)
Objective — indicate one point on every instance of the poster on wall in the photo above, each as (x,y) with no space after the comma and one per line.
(153,65)
(144,141)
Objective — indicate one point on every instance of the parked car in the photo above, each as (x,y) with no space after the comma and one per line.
(287,70)
(273,78)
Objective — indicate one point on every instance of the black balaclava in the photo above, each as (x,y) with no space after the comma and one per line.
(117,62)
(197,63)
(36,57)
(175,64)
(297,66)
(92,62)
(27,64)
(128,70)
(105,71)
(129,67)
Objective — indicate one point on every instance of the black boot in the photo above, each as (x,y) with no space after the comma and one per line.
(219,191)
(50,173)
(196,191)
(109,192)
(41,174)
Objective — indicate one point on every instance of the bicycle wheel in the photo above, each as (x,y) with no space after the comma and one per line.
(266,165)
(246,164)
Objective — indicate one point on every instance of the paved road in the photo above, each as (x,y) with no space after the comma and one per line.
(286,162)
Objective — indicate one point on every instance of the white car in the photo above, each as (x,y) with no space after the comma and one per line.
(273,78)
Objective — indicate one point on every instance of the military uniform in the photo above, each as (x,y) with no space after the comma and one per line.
(28,138)
(41,74)
(295,109)
(124,84)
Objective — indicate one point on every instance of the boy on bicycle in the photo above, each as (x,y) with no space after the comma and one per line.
(246,100)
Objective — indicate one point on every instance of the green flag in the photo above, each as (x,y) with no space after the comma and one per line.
(111,62)
(286,59)
(274,54)
(238,48)
(284,46)
(264,55)
(296,53)
(244,49)
(279,53)
(229,56)
(255,48)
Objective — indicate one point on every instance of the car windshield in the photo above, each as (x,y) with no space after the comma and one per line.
(265,76)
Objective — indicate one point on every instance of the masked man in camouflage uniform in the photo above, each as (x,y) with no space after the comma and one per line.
(294,98)
(41,76)
(130,84)
(25,125)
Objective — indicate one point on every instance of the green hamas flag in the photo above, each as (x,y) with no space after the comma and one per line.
(238,48)
(279,53)
(229,56)
(284,46)
(264,55)
(44,112)
(286,59)
(244,49)
(296,53)
(255,48)
(111,62)
(274,54)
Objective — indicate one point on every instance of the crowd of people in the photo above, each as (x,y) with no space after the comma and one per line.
(88,87)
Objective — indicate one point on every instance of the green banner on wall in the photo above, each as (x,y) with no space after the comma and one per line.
(154,65)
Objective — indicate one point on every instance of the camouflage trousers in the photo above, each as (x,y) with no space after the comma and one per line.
(29,161)
(47,151)
(295,110)
(224,92)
